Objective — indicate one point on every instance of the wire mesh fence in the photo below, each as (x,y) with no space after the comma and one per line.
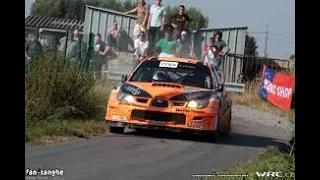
(68,46)
(251,67)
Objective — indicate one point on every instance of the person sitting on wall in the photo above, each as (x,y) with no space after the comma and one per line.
(113,35)
(141,46)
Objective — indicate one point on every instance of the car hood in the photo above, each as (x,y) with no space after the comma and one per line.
(171,91)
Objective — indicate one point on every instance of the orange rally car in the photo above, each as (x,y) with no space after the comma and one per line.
(170,94)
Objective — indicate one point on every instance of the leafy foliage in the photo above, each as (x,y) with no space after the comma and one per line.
(75,9)
(251,46)
(55,90)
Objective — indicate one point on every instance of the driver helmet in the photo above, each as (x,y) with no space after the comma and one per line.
(159,76)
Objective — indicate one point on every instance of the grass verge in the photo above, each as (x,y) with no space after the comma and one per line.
(62,101)
(273,160)
(251,98)
(52,131)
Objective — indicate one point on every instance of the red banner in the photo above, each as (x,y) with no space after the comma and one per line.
(277,88)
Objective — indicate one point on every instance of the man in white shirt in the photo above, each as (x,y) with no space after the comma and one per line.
(43,41)
(141,46)
(156,22)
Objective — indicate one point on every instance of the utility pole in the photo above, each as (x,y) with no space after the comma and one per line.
(266,43)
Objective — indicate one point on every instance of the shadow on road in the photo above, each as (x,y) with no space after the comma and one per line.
(235,139)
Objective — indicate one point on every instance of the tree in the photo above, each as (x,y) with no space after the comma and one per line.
(75,9)
(292,57)
(197,19)
(251,46)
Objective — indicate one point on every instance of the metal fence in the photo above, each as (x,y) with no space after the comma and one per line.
(99,20)
(235,68)
(251,67)
(58,44)
(234,37)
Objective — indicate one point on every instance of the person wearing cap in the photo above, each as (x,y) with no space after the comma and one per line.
(142,11)
(180,22)
(185,47)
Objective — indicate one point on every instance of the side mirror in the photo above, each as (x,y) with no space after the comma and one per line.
(124,78)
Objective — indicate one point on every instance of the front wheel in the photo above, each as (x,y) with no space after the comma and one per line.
(116,130)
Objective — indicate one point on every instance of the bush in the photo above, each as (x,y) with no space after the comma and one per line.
(54,90)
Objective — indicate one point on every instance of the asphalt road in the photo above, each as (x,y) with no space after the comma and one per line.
(153,155)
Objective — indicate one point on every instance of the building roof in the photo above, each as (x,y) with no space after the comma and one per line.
(53,23)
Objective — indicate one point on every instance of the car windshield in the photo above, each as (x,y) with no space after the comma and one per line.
(188,74)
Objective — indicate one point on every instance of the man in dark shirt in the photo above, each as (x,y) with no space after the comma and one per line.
(220,44)
(32,47)
(180,22)
(100,49)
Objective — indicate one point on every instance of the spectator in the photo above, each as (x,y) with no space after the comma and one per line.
(32,47)
(156,22)
(180,22)
(143,13)
(62,41)
(43,41)
(210,51)
(220,45)
(76,35)
(185,46)
(218,41)
(71,50)
(141,46)
(101,49)
(113,35)
(167,45)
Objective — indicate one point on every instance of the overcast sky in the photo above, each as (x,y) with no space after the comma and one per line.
(279,15)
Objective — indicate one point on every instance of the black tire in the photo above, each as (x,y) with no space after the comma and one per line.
(116,130)
(228,132)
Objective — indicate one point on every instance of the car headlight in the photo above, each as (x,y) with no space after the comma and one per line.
(124,97)
(200,104)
